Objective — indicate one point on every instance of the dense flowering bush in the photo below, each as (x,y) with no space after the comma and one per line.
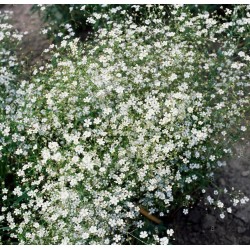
(80,19)
(8,62)
(139,118)
(8,70)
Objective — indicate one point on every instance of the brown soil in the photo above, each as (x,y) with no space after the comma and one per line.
(34,42)
(203,226)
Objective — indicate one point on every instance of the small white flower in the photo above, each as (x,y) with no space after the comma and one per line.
(140,224)
(17,191)
(53,146)
(216,192)
(143,234)
(164,241)
(220,204)
(241,54)
(93,229)
(170,232)
(173,77)
(117,238)
(212,157)
(85,236)
(190,110)
(114,200)
(243,128)
(222,215)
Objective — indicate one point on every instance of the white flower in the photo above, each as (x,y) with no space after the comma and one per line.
(222,216)
(93,229)
(19,151)
(173,77)
(112,222)
(53,146)
(241,54)
(6,131)
(143,234)
(140,224)
(17,191)
(85,236)
(164,241)
(212,157)
(220,204)
(117,238)
(170,232)
(216,192)
(114,200)
(243,128)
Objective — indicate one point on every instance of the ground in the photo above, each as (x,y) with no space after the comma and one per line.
(205,227)
(200,226)
(34,42)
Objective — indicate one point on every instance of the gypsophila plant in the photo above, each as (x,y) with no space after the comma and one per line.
(8,60)
(138,118)
(80,19)
(9,70)
(70,20)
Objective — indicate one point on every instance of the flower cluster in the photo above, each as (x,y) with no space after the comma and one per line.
(8,73)
(67,20)
(138,118)
(9,69)
(8,62)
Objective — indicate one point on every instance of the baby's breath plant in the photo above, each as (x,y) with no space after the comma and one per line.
(9,70)
(81,19)
(138,118)
(8,60)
